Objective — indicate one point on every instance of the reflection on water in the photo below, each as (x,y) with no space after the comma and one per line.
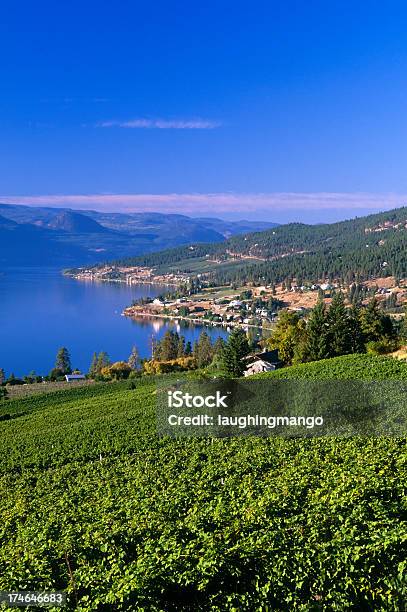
(41,310)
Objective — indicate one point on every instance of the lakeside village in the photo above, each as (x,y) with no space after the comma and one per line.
(269,327)
(284,324)
(248,307)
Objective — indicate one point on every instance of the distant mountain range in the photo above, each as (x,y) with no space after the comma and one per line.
(64,237)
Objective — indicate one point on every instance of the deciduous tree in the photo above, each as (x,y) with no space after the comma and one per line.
(287,336)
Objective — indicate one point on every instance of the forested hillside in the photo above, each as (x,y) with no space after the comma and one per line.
(360,248)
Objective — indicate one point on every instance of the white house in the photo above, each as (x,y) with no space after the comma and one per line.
(73,377)
(266,361)
(259,366)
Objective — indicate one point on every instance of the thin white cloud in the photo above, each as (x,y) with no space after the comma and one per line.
(279,207)
(222,204)
(162,124)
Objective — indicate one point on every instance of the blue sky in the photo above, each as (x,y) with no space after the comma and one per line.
(280,110)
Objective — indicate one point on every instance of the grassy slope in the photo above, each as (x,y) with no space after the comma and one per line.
(365,367)
(158,524)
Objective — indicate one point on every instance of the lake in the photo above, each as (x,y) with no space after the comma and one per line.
(42,310)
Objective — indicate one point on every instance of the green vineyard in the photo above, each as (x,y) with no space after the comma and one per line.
(357,366)
(95,503)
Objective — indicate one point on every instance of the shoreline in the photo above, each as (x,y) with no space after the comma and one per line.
(188,319)
(121,280)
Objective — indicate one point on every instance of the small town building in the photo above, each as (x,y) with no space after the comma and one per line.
(73,377)
(265,361)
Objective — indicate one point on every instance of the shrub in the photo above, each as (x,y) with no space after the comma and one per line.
(382,347)
(119,370)
(173,365)
(56,374)
(12,380)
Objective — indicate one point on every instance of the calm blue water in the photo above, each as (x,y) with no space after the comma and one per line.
(41,310)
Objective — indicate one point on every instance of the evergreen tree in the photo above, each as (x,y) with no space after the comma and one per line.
(203,350)
(338,335)
(2,376)
(357,341)
(133,360)
(181,347)
(218,346)
(63,361)
(373,323)
(233,353)
(357,295)
(188,349)
(167,348)
(316,345)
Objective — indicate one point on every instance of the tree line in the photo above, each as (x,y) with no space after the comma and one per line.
(172,352)
(327,331)
(336,330)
